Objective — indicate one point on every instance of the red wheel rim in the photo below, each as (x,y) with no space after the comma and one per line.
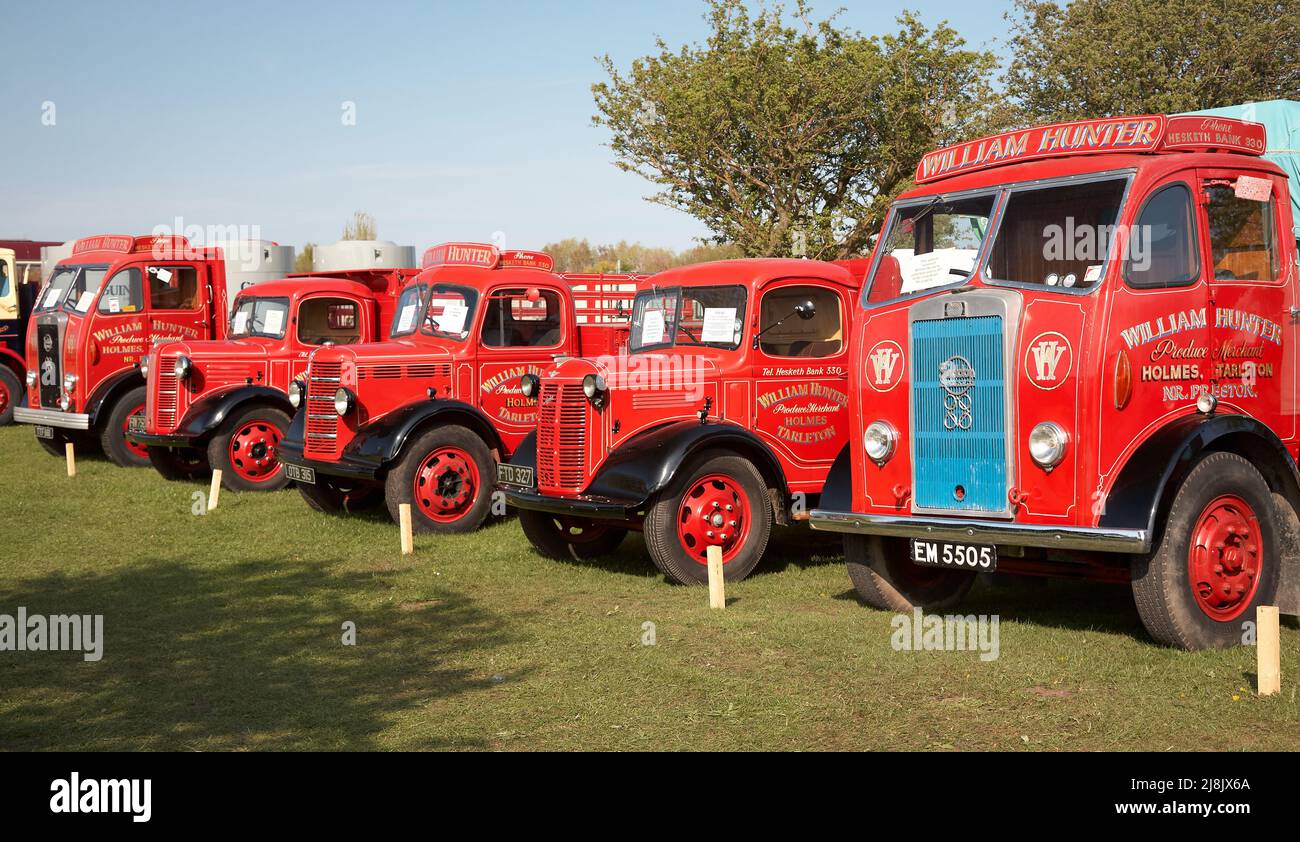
(251,451)
(138,449)
(713,512)
(4,395)
(446,484)
(1224,558)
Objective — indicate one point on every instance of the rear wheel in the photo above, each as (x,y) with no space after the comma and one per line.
(445,475)
(338,497)
(11,392)
(118,449)
(244,448)
(885,577)
(565,537)
(1217,560)
(178,463)
(719,501)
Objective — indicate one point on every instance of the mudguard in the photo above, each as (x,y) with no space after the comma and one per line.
(1145,488)
(206,414)
(837,493)
(110,389)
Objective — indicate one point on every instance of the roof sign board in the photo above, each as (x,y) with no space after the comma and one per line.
(484,256)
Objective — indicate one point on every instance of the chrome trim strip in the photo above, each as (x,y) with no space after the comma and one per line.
(1101,539)
(52,418)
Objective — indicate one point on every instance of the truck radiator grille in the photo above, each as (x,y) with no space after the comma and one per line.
(322,423)
(562,438)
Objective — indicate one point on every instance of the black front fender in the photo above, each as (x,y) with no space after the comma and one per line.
(210,411)
(380,442)
(110,389)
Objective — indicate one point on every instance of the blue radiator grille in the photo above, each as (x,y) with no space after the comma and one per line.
(967,447)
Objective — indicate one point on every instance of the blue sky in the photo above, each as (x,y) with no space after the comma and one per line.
(470,118)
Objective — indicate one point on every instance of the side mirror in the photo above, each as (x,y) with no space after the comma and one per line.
(806,310)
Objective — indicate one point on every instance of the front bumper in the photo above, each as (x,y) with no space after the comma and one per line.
(289,452)
(160,439)
(52,418)
(601,508)
(1090,538)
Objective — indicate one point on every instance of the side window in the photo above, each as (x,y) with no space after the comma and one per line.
(1162,246)
(322,320)
(523,318)
(8,287)
(173,288)
(1242,242)
(124,293)
(792,329)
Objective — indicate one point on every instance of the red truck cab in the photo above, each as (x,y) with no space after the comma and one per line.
(95,320)
(423,417)
(1078,358)
(723,416)
(224,403)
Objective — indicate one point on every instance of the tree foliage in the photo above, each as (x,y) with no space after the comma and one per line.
(360,227)
(1095,58)
(574,255)
(303,262)
(789,136)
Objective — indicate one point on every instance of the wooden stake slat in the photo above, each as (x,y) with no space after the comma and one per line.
(717,583)
(404,516)
(1268,650)
(214,492)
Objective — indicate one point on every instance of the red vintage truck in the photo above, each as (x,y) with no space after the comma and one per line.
(1077,357)
(20,278)
(424,417)
(723,416)
(100,312)
(224,403)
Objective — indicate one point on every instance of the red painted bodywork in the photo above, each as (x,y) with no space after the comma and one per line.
(219,366)
(1168,342)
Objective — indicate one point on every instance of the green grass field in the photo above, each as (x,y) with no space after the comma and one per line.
(224,632)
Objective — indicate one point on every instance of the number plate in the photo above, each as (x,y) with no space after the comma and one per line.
(520,475)
(982,558)
(43,432)
(298,473)
(135,424)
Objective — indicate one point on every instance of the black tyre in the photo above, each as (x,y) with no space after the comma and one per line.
(565,538)
(335,497)
(244,448)
(112,434)
(1218,559)
(178,464)
(885,578)
(718,499)
(447,476)
(11,392)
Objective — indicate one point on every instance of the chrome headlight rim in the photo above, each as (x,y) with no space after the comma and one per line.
(344,400)
(594,387)
(880,441)
(1048,444)
(69,382)
(295,394)
(31,377)
(182,367)
(144,367)
(530,385)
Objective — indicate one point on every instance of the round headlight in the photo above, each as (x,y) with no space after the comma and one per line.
(69,381)
(342,401)
(529,385)
(879,441)
(31,377)
(593,385)
(144,367)
(181,368)
(1047,443)
(295,394)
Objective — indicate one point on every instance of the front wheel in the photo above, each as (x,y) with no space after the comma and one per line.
(445,475)
(11,391)
(117,447)
(886,578)
(1217,560)
(179,464)
(338,498)
(563,537)
(721,501)
(244,448)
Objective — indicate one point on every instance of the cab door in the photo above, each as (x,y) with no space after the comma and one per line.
(1252,293)
(800,386)
(521,330)
(178,293)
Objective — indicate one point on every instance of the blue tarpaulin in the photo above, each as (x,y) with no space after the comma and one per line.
(1281,119)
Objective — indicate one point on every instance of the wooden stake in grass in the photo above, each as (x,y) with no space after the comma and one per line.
(404,516)
(214,491)
(717,585)
(71,453)
(1268,650)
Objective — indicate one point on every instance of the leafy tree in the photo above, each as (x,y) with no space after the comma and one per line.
(361,227)
(1095,58)
(792,138)
(573,255)
(303,262)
